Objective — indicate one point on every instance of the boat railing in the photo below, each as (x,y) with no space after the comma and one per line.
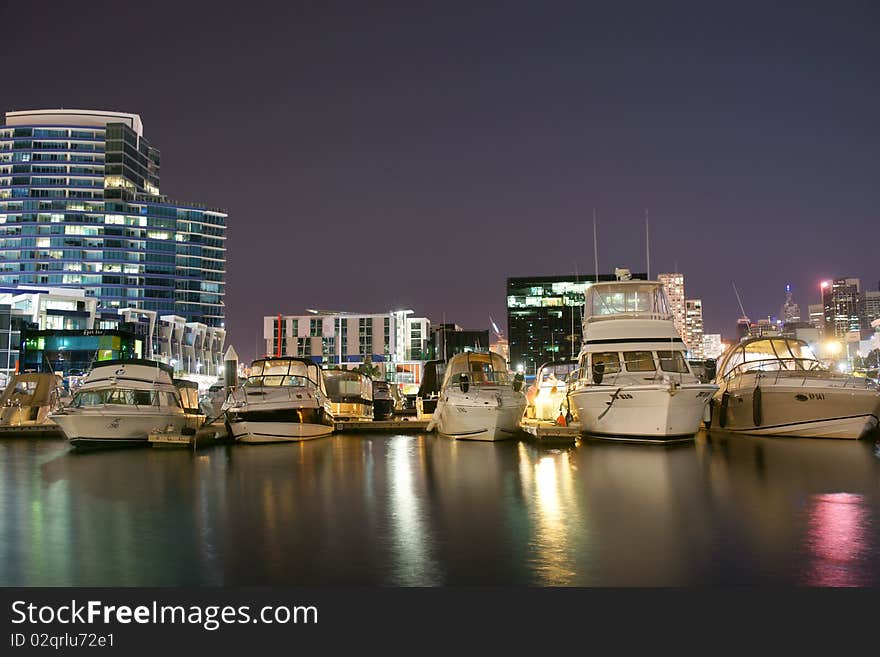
(628,315)
(761,366)
(814,372)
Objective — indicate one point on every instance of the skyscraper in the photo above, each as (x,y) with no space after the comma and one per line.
(80,207)
(791,312)
(843,307)
(674,286)
(694,327)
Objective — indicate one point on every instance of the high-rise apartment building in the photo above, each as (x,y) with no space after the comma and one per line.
(712,345)
(80,207)
(674,286)
(694,327)
(872,305)
(843,307)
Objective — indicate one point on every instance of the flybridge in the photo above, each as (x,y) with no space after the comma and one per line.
(626,299)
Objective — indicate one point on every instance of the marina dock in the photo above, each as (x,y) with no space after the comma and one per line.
(547,432)
(404,426)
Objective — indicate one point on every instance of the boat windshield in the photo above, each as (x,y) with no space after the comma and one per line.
(481,368)
(554,374)
(344,384)
(282,372)
(772,354)
(644,300)
(124,397)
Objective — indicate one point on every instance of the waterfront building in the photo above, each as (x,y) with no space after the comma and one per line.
(713,347)
(790,312)
(843,307)
(11,323)
(673,284)
(544,315)
(80,207)
(67,330)
(694,327)
(447,340)
(394,341)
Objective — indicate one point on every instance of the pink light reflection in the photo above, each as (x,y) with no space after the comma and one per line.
(837,539)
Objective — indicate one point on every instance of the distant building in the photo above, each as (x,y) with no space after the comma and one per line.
(843,307)
(501,347)
(817,317)
(447,340)
(394,341)
(743,327)
(872,305)
(694,327)
(712,345)
(544,316)
(791,312)
(674,286)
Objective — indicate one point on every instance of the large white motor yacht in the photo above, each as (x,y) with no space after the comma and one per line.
(284,399)
(120,403)
(776,386)
(634,382)
(478,399)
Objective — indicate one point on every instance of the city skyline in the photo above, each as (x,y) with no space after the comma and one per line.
(372,152)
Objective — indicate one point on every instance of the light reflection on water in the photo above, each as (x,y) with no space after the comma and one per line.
(423,510)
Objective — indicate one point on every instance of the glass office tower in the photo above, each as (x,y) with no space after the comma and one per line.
(80,207)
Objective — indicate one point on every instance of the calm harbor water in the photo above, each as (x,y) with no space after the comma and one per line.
(423,510)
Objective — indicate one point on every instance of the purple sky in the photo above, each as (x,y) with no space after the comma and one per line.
(389,155)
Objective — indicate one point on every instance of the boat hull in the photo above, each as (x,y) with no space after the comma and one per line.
(642,413)
(280,425)
(798,411)
(471,418)
(116,430)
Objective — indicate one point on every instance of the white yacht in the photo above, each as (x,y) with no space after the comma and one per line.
(776,386)
(27,401)
(120,403)
(351,395)
(478,399)
(284,399)
(634,382)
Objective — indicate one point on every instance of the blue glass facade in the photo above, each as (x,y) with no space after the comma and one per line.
(80,207)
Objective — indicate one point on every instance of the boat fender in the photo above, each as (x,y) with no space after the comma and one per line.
(757,407)
(722,412)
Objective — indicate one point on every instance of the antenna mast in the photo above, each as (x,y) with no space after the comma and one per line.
(595,248)
(647,245)
(736,292)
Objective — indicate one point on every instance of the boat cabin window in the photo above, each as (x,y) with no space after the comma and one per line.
(123,397)
(606,362)
(673,361)
(639,361)
(626,299)
(25,387)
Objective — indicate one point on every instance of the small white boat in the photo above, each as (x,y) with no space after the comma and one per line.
(634,382)
(479,400)
(120,403)
(775,386)
(189,400)
(548,395)
(383,401)
(351,395)
(27,401)
(283,400)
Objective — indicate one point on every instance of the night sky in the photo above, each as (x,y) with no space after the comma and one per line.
(376,155)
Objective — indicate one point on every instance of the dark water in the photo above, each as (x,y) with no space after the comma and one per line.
(421,510)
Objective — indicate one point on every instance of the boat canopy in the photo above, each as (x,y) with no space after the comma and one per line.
(432,378)
(284,372)
(625,300)
(480,366)
(769,354)
(345,386)
(31,389)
